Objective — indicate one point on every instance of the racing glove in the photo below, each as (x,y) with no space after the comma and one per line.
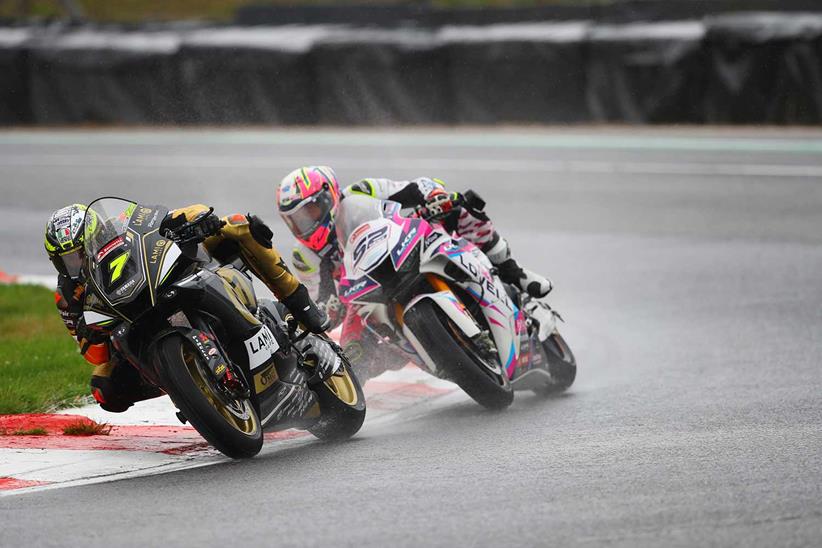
(69,299)
(93,343)
(178,227)
(438,204)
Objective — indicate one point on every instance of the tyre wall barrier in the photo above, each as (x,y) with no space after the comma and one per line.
(741,69)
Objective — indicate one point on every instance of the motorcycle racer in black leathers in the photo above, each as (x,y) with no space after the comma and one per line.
(116,385)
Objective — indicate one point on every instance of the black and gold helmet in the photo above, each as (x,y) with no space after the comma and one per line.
(65,233)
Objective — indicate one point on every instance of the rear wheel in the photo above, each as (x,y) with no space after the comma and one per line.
(479,374)
(342,407)
(561,363)
(229,424)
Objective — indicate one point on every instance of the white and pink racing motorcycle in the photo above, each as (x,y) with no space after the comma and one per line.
(439,299)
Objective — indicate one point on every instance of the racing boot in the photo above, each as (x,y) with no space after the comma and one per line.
(511,273)
(306,311)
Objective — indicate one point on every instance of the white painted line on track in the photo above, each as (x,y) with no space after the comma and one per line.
(197,163)
(394,396)
(171,464)
(464,137)
(61,465)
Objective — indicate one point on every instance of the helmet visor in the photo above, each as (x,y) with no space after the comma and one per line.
(69,264)
(310,215)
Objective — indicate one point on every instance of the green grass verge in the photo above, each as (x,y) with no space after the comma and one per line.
(40,367)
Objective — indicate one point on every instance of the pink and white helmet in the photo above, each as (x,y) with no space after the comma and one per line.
(307,199)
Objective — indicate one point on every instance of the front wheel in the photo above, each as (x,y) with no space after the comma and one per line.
(342,407)
(561,363)
(459,357)
(229,424)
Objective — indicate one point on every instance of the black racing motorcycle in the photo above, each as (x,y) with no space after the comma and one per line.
(234,366)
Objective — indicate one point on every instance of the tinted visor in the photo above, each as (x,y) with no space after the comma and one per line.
(310,215)
(69,264)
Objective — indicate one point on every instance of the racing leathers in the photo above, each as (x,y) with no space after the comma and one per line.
(116,385)
(320,272)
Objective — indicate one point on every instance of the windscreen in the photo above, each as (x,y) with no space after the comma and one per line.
(106,220)
(353,212)
(114,257)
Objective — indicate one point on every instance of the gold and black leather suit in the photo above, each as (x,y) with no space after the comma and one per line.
(243,237)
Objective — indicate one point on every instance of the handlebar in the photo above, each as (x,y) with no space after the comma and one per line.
(196,231)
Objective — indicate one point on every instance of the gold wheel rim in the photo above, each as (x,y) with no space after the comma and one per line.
(343,387)
(242,418)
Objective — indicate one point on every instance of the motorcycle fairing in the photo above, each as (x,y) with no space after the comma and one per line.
(133,260)
(410,234)
(280,397)
(504,318)
(372,243)
(452,307)
(118,269)
(396,236)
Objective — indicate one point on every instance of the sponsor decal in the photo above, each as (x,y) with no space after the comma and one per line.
(200,340)
(357,233)
(109,247)
(140,216)
(398,253)
(157,250)
(354,288)
(153,220)
(409,237)
(212,352)
(268,376)
(367,242)
(260,347)
(126,286)
(431,238)
(220,369)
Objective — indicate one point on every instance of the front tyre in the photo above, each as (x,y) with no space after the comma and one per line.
(342,407)
(231,425)
(460,359)
(561,364)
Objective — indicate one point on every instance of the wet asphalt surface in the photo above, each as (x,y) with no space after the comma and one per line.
(692,300)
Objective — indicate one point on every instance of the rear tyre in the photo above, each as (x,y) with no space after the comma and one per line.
(230,425)
(561,363)
(342,407)
(458,357)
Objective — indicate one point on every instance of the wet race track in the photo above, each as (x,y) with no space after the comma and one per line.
(687,266)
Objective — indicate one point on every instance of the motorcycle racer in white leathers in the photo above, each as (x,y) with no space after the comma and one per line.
(307,200)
